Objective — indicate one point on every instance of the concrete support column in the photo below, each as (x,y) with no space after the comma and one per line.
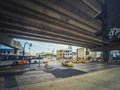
(106,56)
(16,51)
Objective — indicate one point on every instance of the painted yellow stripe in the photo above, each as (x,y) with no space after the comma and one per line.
(11,70)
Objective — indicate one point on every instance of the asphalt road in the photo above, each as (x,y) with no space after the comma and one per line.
(30,74)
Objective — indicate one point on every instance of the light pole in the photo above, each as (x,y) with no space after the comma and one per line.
(30,44)
(39,61)
(29,51)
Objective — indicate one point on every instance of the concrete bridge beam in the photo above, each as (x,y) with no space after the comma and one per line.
(8,41)
(4,39)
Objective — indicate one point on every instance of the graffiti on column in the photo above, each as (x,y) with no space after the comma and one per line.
(114,33)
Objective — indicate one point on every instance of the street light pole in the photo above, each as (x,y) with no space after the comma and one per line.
(29,51)
(30,44)
(39,61)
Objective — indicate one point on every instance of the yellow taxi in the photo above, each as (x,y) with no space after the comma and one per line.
(74,61)
(79,61)
(83,61)
(67,63)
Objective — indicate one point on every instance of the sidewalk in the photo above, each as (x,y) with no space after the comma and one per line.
(12,69)
(100,80)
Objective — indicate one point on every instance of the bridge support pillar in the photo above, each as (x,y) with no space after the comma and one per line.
(106,56)
(16,51)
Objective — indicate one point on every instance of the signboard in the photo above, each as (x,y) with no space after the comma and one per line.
(113,19)
(114,33)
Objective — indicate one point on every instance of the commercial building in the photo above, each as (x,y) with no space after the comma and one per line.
(6,51)
(67,54)
(99,54)
(84,53)
(114,56)
(14,47)
(60,54)
(74,55)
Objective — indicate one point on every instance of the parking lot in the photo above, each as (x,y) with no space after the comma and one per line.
(34,73)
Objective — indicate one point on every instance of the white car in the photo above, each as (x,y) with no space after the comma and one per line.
(35,61)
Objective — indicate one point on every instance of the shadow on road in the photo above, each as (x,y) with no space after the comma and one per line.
(10,81)
(9,73)
(64,73)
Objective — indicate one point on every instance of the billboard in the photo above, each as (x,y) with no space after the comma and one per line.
(113,19)
(110,18)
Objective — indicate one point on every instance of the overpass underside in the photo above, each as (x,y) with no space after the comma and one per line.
(57,21)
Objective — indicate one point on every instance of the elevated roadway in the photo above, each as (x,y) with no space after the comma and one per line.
(57,21)
(8,41)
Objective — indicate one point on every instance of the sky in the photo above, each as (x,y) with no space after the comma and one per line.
(38,46)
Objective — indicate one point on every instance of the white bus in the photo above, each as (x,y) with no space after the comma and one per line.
(13,59)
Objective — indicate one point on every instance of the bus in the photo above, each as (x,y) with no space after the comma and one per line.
(13,59)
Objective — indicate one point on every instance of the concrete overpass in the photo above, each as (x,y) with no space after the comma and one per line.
(58,21)
(9,42)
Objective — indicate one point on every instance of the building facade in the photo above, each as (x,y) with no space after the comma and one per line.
(85,53)
(6,51)
(74,56)
(100,54)
(68,54)
(114,56)
(60,54)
